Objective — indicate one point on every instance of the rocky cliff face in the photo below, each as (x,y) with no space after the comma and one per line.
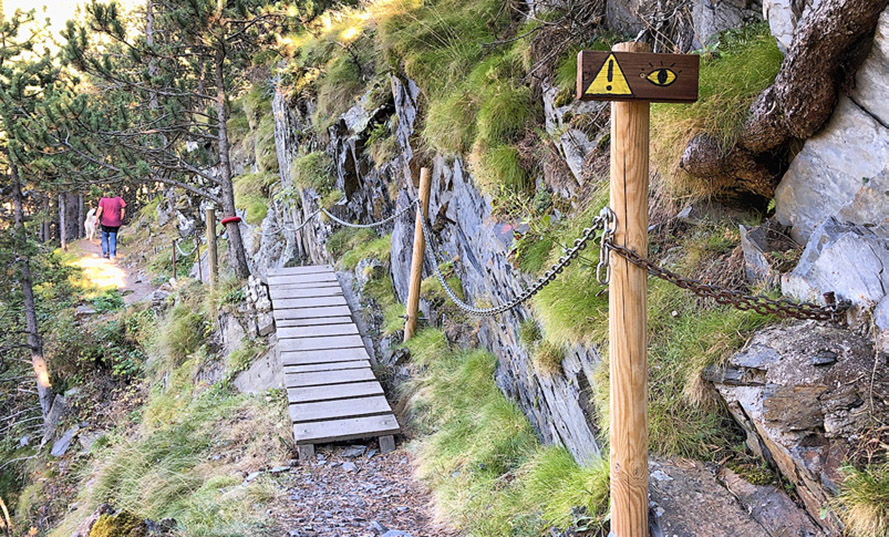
(468,234)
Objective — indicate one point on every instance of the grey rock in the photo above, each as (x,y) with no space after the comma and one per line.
(688,500)
(871,91)
(279,469)
(354,451)
(57,411)
(378,528)
(252,477)
(84,311)
(847,259)
(87,439)
(25,441)
(771,507)
(713,16)
(350,467)
(757,267)
(783,16)
(396,533)
(881,323)
(801,414)
(60,446)
(829,171)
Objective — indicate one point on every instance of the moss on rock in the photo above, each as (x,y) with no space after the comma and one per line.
(123,524)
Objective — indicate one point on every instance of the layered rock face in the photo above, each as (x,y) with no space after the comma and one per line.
(804,393)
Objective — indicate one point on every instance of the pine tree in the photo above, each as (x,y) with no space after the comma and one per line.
(161,108)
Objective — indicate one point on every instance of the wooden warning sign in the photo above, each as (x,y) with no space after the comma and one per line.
(637,76)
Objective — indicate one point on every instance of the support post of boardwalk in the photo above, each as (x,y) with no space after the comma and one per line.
(212,258)
(413,298)
(628,316)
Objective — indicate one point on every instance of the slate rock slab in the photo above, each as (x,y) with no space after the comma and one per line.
(800,392)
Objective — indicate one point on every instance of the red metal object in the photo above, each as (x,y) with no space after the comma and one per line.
(231,219)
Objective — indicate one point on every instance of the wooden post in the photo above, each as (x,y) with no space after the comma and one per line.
(212,259)
(413,297)
(174,259)
(627,305)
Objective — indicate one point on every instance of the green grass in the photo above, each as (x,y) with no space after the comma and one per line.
(745,62)
(377,248)
(313,170)
(169,471)
(252,193)
(489,474)
(863,501)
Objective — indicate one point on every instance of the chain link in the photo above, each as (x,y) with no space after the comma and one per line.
(183,254)
(599,222)
(783,308)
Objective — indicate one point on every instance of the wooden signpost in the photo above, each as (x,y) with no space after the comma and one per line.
(633,77)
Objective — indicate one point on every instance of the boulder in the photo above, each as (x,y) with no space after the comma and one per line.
(802,392)
(60,447)
(831,176)
(847,259)
(829,171)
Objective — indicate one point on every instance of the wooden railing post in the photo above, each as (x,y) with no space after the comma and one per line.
(212,258)
(627,305)
(413,298)
(197,249)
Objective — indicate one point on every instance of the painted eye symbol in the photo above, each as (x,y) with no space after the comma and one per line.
(661,77)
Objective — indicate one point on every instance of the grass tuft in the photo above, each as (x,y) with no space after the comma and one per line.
(744,63)
(863,501)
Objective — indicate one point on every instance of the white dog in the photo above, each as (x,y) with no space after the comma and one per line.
(90,224)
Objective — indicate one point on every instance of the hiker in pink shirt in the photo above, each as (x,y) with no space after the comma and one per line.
(110,215)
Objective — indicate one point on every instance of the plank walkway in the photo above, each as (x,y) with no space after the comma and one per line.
(332,392)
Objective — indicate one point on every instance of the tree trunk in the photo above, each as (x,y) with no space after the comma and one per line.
(827,47)
(81,216)
(44,389)
(63,228)
(236,252)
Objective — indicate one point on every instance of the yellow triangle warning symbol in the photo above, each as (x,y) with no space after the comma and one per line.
(610,80)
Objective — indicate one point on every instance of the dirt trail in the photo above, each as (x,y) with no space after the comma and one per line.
(348,492)
(123,273)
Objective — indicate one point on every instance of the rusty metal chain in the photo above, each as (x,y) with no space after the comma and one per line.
(783,308)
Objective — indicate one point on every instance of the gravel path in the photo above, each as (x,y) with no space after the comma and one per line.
(356,492)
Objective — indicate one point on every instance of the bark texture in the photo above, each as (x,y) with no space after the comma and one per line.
(827,47)
(35,343)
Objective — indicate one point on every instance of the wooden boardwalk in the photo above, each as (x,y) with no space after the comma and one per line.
(332,391)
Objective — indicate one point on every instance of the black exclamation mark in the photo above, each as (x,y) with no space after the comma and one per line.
(610,74)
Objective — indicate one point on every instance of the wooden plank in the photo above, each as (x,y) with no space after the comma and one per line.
(321,378)
(346,429)
(317,331)
(323,357)
(318,343)
(312,313)
(341,408)
(333,391)
(296,303)
(302,278)
(328,366)
(305,269)
(305,293)
(305,285)
(291,323)
(637,76)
